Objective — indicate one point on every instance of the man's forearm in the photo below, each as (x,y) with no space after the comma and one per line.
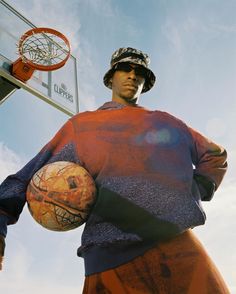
(2,249)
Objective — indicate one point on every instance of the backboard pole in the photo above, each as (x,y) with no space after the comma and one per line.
(7,89)
(33,91)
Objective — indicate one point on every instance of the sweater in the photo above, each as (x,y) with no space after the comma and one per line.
(151,170)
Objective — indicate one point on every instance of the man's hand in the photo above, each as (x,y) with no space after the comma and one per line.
(2,249)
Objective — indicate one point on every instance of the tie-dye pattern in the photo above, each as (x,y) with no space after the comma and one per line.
(180,266)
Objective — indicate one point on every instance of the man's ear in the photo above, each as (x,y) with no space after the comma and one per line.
(110,82)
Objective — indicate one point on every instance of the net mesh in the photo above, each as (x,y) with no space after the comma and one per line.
(43,49)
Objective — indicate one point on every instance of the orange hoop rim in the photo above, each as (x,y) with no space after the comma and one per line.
(39,66)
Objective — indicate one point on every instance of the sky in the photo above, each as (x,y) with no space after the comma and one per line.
(192,46)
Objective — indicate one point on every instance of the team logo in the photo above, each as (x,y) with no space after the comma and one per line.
(63,92)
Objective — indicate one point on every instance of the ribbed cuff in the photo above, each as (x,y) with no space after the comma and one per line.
(206,187)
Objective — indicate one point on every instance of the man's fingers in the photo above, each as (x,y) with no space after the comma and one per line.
(2,249)
(2,245)
(1,261)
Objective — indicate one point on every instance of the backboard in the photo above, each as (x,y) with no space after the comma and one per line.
(58,88)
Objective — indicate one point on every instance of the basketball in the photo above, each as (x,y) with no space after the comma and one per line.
(60,196)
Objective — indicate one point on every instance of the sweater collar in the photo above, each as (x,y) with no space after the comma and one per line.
(114,105)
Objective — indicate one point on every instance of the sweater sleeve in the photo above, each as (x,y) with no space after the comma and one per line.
(210,164)
(13,188)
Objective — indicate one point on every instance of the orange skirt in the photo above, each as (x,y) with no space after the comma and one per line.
(179,266)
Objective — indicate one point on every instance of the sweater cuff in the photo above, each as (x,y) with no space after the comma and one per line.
(3,224)
(206,187)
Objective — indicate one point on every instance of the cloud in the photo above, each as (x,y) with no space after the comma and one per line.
(10,162)
(102,7)
(41,261)
(218,235)
(231,173)
(216,127)
(188,30)
(62,17)
(222,28)
(25,284)
(173,35)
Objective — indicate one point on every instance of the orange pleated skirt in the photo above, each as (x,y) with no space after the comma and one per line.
(179,266)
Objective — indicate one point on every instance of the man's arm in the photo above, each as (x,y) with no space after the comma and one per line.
(13,188)
(210,164)
(4,220)
(2,249)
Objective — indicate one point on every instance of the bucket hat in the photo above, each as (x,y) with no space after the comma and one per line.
(134,56)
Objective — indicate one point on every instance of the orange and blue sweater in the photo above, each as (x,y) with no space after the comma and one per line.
(152,171)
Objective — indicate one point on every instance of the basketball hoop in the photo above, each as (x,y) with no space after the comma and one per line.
(42,49)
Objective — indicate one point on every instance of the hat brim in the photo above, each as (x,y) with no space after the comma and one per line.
(150,78)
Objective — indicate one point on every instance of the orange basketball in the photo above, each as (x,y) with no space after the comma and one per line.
(60,196)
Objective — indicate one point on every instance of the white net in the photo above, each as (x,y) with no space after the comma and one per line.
(43,49)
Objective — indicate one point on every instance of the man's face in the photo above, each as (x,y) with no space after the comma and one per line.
(127,82)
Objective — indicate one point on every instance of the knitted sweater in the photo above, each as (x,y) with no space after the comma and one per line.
(151,171)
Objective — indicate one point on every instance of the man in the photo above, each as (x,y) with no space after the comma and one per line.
(152,171)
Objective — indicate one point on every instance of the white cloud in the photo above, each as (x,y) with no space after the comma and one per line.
(102,7)
(40,261)
(191,29)
(113,19)
(25,284)
(10,162)
(60,16)
(218,235)
(173,35)
(216,127)
(88,102)
(222,28)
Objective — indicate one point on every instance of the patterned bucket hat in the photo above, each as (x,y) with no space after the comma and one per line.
(134,56)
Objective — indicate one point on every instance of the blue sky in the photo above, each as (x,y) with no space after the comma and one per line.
(192,45)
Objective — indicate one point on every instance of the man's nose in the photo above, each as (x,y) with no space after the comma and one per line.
(132,74)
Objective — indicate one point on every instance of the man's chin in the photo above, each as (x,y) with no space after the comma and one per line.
(131,100)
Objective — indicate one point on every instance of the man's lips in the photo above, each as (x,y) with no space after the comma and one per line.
(129,85)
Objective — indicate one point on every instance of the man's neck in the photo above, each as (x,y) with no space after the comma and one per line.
(125,101)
